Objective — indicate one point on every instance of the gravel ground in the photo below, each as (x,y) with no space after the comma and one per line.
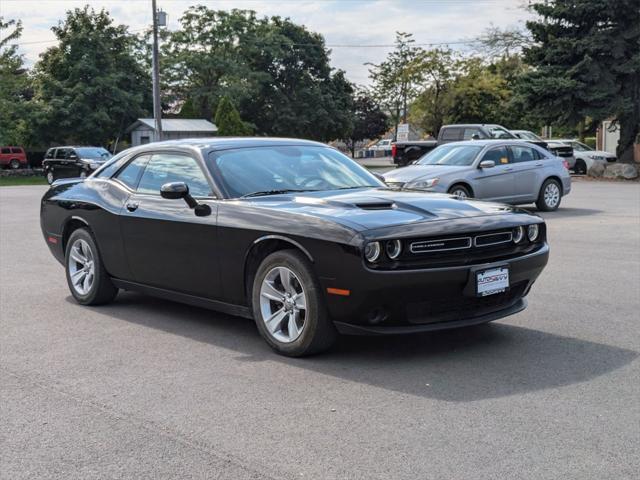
(145,388)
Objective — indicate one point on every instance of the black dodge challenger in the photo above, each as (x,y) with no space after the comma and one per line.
(292,234)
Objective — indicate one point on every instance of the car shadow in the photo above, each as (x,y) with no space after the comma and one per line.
(488,361)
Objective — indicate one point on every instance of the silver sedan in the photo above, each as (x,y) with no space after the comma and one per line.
(506,171)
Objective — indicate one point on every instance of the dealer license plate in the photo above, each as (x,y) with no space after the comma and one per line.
(492,281)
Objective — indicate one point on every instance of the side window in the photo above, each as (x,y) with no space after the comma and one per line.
(50,153)
(130,174)
(16,150)
(170,167)
(451,134)
(523,154)
(5,150)
(499,155)
(62,153)
(470,132)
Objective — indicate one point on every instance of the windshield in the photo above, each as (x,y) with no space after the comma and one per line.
(497,131)
(273,169)
(580,147)
(526,135)
(96,153)
(452,154)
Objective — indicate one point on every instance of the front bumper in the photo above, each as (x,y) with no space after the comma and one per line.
(407,301)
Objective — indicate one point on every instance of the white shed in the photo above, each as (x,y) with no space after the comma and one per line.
(143,130)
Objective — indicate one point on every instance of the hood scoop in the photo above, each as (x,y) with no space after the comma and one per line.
(375,205)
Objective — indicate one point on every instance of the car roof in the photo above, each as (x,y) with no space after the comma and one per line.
(226,143)
(463,125)
(492,141)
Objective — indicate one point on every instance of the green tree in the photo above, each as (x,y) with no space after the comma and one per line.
(14,86)
(90,86)
(369,121)
(228,120)
(396,79)
(586,60)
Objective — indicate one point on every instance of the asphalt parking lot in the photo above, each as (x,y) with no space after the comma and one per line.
(145,388)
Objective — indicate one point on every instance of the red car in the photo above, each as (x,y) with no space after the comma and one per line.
(13,157)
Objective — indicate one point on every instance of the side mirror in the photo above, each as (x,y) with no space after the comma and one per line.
(177,190)
(73,156)
(487,164)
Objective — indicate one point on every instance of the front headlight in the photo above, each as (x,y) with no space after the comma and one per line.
(532,232)
(422,184)
(372,251)
(597,157)
(518,234)
(394,248)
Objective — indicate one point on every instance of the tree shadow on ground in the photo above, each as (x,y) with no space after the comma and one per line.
(461,365)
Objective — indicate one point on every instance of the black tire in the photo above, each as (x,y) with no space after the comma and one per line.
(14,164)
(543,203)
(580,167)
(318,332)
(102,289)
(459,189)
(50,175)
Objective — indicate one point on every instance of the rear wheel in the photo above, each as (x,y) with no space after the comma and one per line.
(87,279)
(14,164)
(580,167)
(50,176)
(549,196)
(288,306)
(460,191)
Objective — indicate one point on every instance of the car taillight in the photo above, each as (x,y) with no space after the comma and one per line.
(566,164)
(394,149)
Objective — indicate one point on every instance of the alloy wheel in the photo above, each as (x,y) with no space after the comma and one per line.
(551,195)
(283,304)
(459,193)
(14,164)
(50,178)
(81,266)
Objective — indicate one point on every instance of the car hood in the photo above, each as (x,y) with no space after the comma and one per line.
(420,172)
(373,208)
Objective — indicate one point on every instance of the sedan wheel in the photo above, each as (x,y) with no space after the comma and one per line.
(550,196)
(50,177)
(283,304)
(289,307)
(460,192)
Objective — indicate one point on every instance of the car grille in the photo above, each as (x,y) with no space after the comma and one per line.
(458,307)
(459,250)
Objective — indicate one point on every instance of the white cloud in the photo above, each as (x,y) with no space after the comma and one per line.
(343,22)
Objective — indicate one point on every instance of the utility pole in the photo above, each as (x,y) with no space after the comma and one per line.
(157,106)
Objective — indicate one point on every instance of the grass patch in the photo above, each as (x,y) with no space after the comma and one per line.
(16,181)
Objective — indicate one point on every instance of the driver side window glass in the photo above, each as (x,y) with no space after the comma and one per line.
(499,155)
(524,154)
(169,167)
(470,132)
(130,174)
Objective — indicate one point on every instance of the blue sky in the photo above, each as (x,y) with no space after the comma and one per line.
(350,26)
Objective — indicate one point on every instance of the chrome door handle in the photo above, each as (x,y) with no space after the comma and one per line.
(132,206)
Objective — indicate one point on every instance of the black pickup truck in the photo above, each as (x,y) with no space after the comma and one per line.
(404,153)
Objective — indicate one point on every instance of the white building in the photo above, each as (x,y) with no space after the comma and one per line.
(143,130)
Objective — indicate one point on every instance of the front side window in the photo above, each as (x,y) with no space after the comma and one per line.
(264,170)
(62,153)
(16,150)
(50,153)
(524,154)
(130,175)
(452,154)
(497,131)
(170,167)
(498,155)
(469,133)
(580,147)
(93,153)
(5,150)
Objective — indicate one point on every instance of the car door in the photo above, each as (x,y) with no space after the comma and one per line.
(64,166)
(495,183)
(166,244)
(528,170)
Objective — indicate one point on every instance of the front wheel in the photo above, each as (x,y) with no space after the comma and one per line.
(580,167)
(460,191)
(288,306)
(14,164)
(50,176)
(549,196)
(86,276)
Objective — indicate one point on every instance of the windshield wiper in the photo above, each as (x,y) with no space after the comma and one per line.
(359,186)
(274,192)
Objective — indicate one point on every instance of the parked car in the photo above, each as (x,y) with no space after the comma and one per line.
(586,156)
(384,144)
(70,161)
(13,157)
(293,234)
(559,149)
(502,170)
(405,153)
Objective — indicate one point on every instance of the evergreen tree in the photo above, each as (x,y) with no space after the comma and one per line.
(228,120)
